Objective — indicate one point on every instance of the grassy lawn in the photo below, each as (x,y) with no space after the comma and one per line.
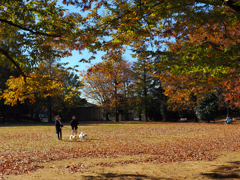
(26,149)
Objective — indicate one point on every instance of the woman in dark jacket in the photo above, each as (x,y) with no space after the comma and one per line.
(74,124)
(58,126)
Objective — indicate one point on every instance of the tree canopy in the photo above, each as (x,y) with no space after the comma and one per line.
(148,26)
(107,83)
(200,40)
(33,32)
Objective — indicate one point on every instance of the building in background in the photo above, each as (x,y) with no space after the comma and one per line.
(87,112)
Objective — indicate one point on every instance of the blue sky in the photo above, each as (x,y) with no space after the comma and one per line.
(73,60)
(76,56)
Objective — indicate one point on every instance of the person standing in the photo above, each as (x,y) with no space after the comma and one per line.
(58,126)
(74,124)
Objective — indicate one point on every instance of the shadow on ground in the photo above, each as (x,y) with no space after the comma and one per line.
(113,176)
(229,171)
(83,141)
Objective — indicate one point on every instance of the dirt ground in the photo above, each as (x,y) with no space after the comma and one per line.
(226,166)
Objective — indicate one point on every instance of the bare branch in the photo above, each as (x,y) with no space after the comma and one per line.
(26,29)
(13,62)
(232,4)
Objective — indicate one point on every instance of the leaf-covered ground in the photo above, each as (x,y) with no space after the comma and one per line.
(24,149)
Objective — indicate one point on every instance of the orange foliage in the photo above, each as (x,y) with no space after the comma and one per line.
(230,89)
(18,90)
(107,82)
(182,89)
(205,49)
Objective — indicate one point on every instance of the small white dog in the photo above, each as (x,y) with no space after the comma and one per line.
(72,137)
(82,136)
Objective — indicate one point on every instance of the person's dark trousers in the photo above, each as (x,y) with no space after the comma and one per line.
(60,134)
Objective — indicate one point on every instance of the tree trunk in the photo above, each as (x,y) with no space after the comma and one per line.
(145,92)
(49,109)
(126,116)
(116,99)
(117,116)
(107,118)
(139,115)
(194,116)
(228,109)
(194,99)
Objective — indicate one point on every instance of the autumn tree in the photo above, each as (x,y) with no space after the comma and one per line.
(188,87)
(8,113)
(228,91)
(107,83)
(156,24)
(40,29)
(185,90)
(33,32)
(70,93)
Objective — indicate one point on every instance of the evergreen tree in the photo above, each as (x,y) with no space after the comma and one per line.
(142,81)
(207,108)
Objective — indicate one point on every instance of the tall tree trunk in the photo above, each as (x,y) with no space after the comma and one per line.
(126,116)
(228,109)
(117,117)
(107,118)
(116,103)
(194,99)
(145,92)
(49,109)
(140,115)
(49,97)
